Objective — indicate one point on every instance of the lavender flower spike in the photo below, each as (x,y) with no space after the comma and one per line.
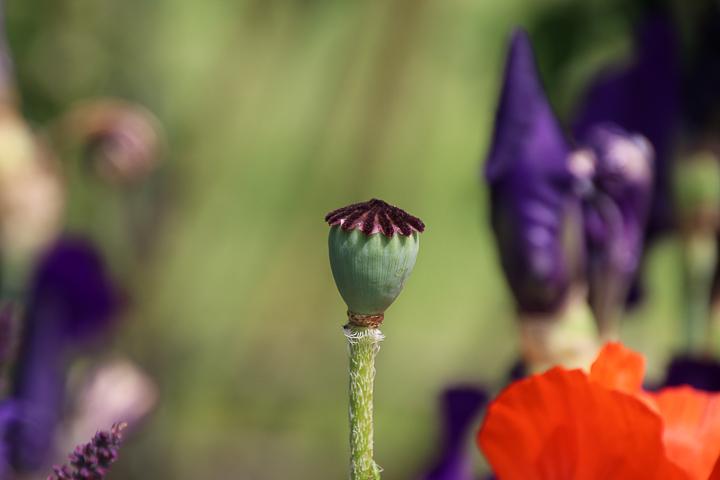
(531,186)
(92,461)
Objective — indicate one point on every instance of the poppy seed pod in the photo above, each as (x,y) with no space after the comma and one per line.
(373,247)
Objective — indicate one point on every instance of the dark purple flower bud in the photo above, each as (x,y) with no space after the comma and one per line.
(72,282)
(531,187)
(71,301)
(460,407)
(700,373)
(618,207)
(643,97)
(92,461)
(616,213)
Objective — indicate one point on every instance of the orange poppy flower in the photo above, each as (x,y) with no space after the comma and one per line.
(569,424)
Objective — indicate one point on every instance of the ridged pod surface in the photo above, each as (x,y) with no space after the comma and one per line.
(370,270)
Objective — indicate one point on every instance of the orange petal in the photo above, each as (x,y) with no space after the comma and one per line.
(715,475)
(692,428)
(560,425)
(618,368)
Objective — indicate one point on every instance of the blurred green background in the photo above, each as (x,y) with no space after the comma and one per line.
(277,111)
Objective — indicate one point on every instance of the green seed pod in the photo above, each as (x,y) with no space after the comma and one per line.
(373,247)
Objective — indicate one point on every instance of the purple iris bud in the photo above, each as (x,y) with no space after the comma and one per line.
(531,187)
(619,205)
(643,97)
(71,301)
(615,212)
(460,409)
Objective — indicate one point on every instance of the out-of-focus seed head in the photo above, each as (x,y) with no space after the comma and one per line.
(373,247)
(122,141)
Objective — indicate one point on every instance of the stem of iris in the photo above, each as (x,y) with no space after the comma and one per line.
(699,262)
(364,343)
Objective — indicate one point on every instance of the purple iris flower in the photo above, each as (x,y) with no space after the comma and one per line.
(643,97)
(531,188)
(460,407)
(616,211)
(71,301)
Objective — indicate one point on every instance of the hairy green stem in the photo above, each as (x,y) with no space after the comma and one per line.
(364,344)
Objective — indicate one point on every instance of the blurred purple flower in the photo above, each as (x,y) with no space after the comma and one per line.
(71,301)
(616,211)
(643,97)
(700,373)
(531,187)
(460,407)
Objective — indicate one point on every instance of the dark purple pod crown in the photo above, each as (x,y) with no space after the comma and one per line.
(375,216)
